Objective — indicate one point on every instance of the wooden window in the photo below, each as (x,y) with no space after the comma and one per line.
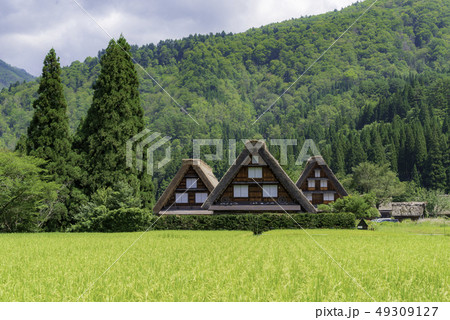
(255,159)
(181,197)
(308,196)
(191,183)
(255,172)
(317,173)
(200,197)
(323,183)
(240,191)
(328,196)
(270,191)
(311,184)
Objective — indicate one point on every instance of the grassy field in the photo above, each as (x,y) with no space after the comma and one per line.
(401,262)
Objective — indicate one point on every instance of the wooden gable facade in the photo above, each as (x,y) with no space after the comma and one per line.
(319,184)
(188,190)
(256,183)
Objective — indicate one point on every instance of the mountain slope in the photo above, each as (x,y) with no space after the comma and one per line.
(226,81)
(10,74)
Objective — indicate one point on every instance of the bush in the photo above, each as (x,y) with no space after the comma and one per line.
(128,220)
(360,206)
(26,194)
(257,223)
(101,219)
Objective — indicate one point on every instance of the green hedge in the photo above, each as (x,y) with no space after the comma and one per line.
(120,220)
(252,222)
(128,220)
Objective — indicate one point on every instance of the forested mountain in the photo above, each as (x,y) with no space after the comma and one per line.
(10,74)
(381,93)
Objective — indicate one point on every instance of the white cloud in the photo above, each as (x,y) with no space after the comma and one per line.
(29,28)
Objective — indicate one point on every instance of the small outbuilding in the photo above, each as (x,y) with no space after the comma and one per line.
(403,210)
(362,225)
(408,210)
(385,210)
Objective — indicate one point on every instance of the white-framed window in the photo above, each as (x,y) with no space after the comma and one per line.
(240,191)
(311,183)
(323,183)
(200,197)
(317,173)
(270,191)
(191,183)
(328,196)
(181,198)
(255,159)
(255,172)
(309,196)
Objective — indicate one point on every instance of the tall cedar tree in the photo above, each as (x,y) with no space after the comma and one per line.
(114,117)
(48,134)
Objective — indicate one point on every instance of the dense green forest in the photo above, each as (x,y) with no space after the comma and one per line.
(381,94)
(10,74)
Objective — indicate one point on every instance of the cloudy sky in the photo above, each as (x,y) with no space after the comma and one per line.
(29,28)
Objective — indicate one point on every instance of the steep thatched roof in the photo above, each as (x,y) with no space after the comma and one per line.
(259,148)
(318,160)
(408,209)
(201,168)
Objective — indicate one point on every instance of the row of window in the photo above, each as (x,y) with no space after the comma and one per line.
(312,183)
(327,196)
(200,197)
(239,191)
(269,191)
(256,172)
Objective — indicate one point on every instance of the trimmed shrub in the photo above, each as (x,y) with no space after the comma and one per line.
(256,222)
(120,220)
(134,219)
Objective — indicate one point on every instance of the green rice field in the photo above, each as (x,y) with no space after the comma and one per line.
(396,262)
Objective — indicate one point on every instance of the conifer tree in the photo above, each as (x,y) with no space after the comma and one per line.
(49,138)
(376,152)
(446,124)
(356,153)
(393,156)
(409,152)
(436,176)
(415,176)
(338,154)
(420,145)
(114,117)
(48,134)
(447,161)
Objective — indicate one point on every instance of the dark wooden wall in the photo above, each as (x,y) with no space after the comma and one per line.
(318,197)
(191,205)
(255,191)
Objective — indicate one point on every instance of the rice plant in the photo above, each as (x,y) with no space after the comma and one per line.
(403,262)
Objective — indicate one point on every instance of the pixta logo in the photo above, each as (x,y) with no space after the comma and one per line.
(309,148)
(146,145)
